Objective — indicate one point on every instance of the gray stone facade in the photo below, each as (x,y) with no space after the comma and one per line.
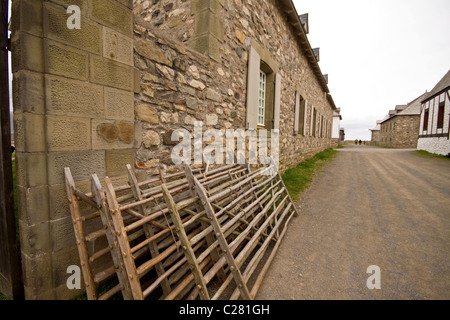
(400,132)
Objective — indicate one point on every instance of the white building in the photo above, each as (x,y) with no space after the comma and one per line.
(336,124)
(434,134)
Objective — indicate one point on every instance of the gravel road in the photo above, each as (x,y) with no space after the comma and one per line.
(370,206)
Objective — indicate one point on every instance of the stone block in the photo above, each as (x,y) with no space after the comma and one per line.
(126,131)
(110,73)
(37,276)
(28,53)
(29,132)
(151,139)
(62,234)
(208,23)
(58,203)
(119,104)
(28,92)
(73,98)
(35,239)
(148,49)
(82,4)
(82,164)
(110,134)
(201,5)
(33,204)
(116,161)
(65,61)
(31,169)
(146,113)
(117,47)
(27,17)
(88,38)
(113,15)
(68,133)
(207,45)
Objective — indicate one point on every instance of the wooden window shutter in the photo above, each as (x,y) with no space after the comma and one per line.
(276,116)
(254,63)
(305,132)
(297,113)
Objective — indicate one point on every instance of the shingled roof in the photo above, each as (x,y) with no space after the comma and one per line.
(410,109)
(441,86)
(413,107)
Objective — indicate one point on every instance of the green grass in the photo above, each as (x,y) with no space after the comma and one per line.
(298,179)
(426,154)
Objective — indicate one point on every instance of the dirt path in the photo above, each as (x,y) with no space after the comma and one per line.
(371,206)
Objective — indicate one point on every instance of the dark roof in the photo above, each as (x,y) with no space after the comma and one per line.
(287,6)
(410,109)
(441,86)
(413,107)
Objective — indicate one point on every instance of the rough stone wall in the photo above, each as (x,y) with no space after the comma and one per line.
(73,107)
(376,136)
(435,145)
(400,132)
(179,86)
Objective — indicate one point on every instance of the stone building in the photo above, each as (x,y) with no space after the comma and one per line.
(375,137)
(400,129)
(434,133)
(112,92)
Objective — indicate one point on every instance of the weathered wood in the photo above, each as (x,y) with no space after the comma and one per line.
(119,266)
(222,241)
(190,256)
(124,246)
(80,236)
(264,270)
(149,232)
(209,236)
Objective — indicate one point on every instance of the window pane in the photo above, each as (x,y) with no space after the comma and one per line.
(440,122)
(262,98)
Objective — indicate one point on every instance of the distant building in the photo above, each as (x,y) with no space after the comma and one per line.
(375,134)
(342,136)
(337,118)
(434,119)
(400,128)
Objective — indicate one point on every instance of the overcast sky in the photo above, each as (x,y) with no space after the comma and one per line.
(378,54)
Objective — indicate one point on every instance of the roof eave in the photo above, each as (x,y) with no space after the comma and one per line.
(294,20)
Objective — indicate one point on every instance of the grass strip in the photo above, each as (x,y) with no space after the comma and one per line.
(298,179)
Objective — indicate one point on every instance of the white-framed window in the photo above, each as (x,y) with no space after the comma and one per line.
(262,98)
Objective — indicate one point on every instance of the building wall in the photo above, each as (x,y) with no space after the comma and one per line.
(431,138)
(376,135)
(179,86)
(435,145)
(73,107)
(336,128)
(400,132)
